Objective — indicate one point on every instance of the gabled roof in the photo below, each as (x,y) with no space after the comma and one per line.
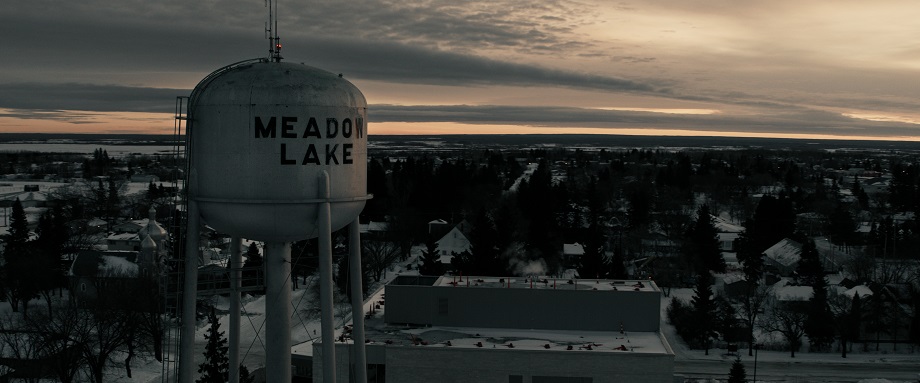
(785,252)
(724,226)
(862,290)
(90,263)
(573,249)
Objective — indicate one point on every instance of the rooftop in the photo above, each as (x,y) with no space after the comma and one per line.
(377,332)
(535,282)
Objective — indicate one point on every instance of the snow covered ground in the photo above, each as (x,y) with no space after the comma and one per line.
(776,365)
(773,366)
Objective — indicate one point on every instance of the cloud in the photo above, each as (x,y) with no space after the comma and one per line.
(801,121)
(475,25)
(405,63)
(50,99)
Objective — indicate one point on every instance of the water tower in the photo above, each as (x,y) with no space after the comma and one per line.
(277,153)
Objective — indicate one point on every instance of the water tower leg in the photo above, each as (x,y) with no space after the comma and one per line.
(236,262)
(325,279)
(187,365)
(357,300)
(277,312)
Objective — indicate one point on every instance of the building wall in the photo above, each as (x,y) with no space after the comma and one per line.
(453,241)
(409,364)
(589,310)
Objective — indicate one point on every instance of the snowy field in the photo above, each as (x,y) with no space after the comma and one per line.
(69,147)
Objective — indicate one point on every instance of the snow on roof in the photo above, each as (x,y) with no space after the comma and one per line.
(785,252)
(862,290)
(794,293)
(379,333)
(118,266)
(724,226)
(96,222)
(122,237)
(110,263)
(377,226)
(438,222)
(549,283)
(729,278)
(573,249)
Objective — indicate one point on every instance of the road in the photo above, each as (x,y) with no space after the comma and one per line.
(796,372)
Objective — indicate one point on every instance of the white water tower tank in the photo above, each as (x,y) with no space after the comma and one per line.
(261,133)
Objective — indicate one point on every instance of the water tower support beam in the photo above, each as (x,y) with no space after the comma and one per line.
(357,300)
(187,366)
(236,262)
(325,279)
(277,312)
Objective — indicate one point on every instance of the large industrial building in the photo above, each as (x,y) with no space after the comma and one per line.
(508,330)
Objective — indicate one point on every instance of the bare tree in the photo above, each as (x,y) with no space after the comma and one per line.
(107,323)
(22,345)
(61,336)
(750,305)
(788,321)
(860,265)
(379,255)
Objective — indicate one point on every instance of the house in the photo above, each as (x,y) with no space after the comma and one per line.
(572,253)
(373,229)
(92,270)
(783,257)
(119,268)
(492,329)
(455,241)
(727,232)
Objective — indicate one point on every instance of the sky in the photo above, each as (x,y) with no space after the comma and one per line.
(754,68)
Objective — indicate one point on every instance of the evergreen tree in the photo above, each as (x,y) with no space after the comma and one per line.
(431,259)
(245,375)
(593,263)
(727,324)
(19,227)
(18,256)
(841,225)
(737,374)
(704,311)
(819,324)
(703,244)
(618,263)
(216,365)
(46,265)
(153,192)
(462,262)
(809,269)
(750,257)
(252,266)
(484,246)
(849,322)
(774,219)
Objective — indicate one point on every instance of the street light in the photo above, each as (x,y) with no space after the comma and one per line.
(756,348)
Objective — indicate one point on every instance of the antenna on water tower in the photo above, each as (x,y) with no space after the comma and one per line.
(271,32)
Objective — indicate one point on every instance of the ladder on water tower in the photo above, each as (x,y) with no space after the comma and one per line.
(177,221)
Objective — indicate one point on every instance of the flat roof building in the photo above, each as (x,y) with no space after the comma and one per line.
(509,330)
